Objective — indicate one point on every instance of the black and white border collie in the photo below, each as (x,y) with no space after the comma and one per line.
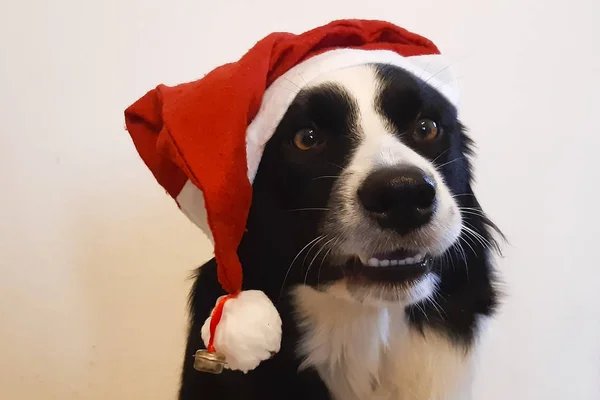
(366,234)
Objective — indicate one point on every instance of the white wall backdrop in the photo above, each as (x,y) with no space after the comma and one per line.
(95,259)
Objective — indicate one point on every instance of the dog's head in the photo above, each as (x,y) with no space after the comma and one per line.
(363,190)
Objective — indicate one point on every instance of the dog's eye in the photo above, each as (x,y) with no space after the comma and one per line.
(426,130)
(307,139)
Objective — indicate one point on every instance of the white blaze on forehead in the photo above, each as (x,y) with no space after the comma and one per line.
(379,144)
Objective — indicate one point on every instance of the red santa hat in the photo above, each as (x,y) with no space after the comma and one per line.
(203,141)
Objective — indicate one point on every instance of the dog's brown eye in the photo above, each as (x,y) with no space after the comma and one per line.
(307,139)
(426,130)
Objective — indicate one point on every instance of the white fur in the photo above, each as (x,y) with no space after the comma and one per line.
(367,352)
(374,295)
(249,330)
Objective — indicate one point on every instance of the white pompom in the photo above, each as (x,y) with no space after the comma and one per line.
(249,330)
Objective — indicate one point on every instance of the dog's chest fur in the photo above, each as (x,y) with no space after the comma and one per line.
(369,353)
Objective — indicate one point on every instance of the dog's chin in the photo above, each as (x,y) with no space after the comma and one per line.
(384,285)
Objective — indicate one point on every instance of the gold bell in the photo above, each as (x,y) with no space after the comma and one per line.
(205,361)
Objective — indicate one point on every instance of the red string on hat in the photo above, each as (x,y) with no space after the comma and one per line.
(216,318)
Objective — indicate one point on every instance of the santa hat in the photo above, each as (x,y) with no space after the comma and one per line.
(203,141)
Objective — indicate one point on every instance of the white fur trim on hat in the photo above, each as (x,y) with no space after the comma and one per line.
(191,202)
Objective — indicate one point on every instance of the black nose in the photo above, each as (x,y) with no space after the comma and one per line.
(402,199)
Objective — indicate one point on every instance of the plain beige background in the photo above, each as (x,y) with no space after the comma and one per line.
(95,258)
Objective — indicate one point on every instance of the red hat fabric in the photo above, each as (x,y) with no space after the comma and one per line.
(203,140)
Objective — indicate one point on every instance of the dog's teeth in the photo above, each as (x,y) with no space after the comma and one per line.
(375,262)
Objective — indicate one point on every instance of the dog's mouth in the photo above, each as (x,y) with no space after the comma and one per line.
(398,257)
(401,266)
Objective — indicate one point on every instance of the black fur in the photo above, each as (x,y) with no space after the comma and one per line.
(291,188)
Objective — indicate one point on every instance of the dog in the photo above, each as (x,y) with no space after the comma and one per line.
(366,234)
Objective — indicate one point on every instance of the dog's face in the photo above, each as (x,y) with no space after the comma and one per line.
(362,182)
